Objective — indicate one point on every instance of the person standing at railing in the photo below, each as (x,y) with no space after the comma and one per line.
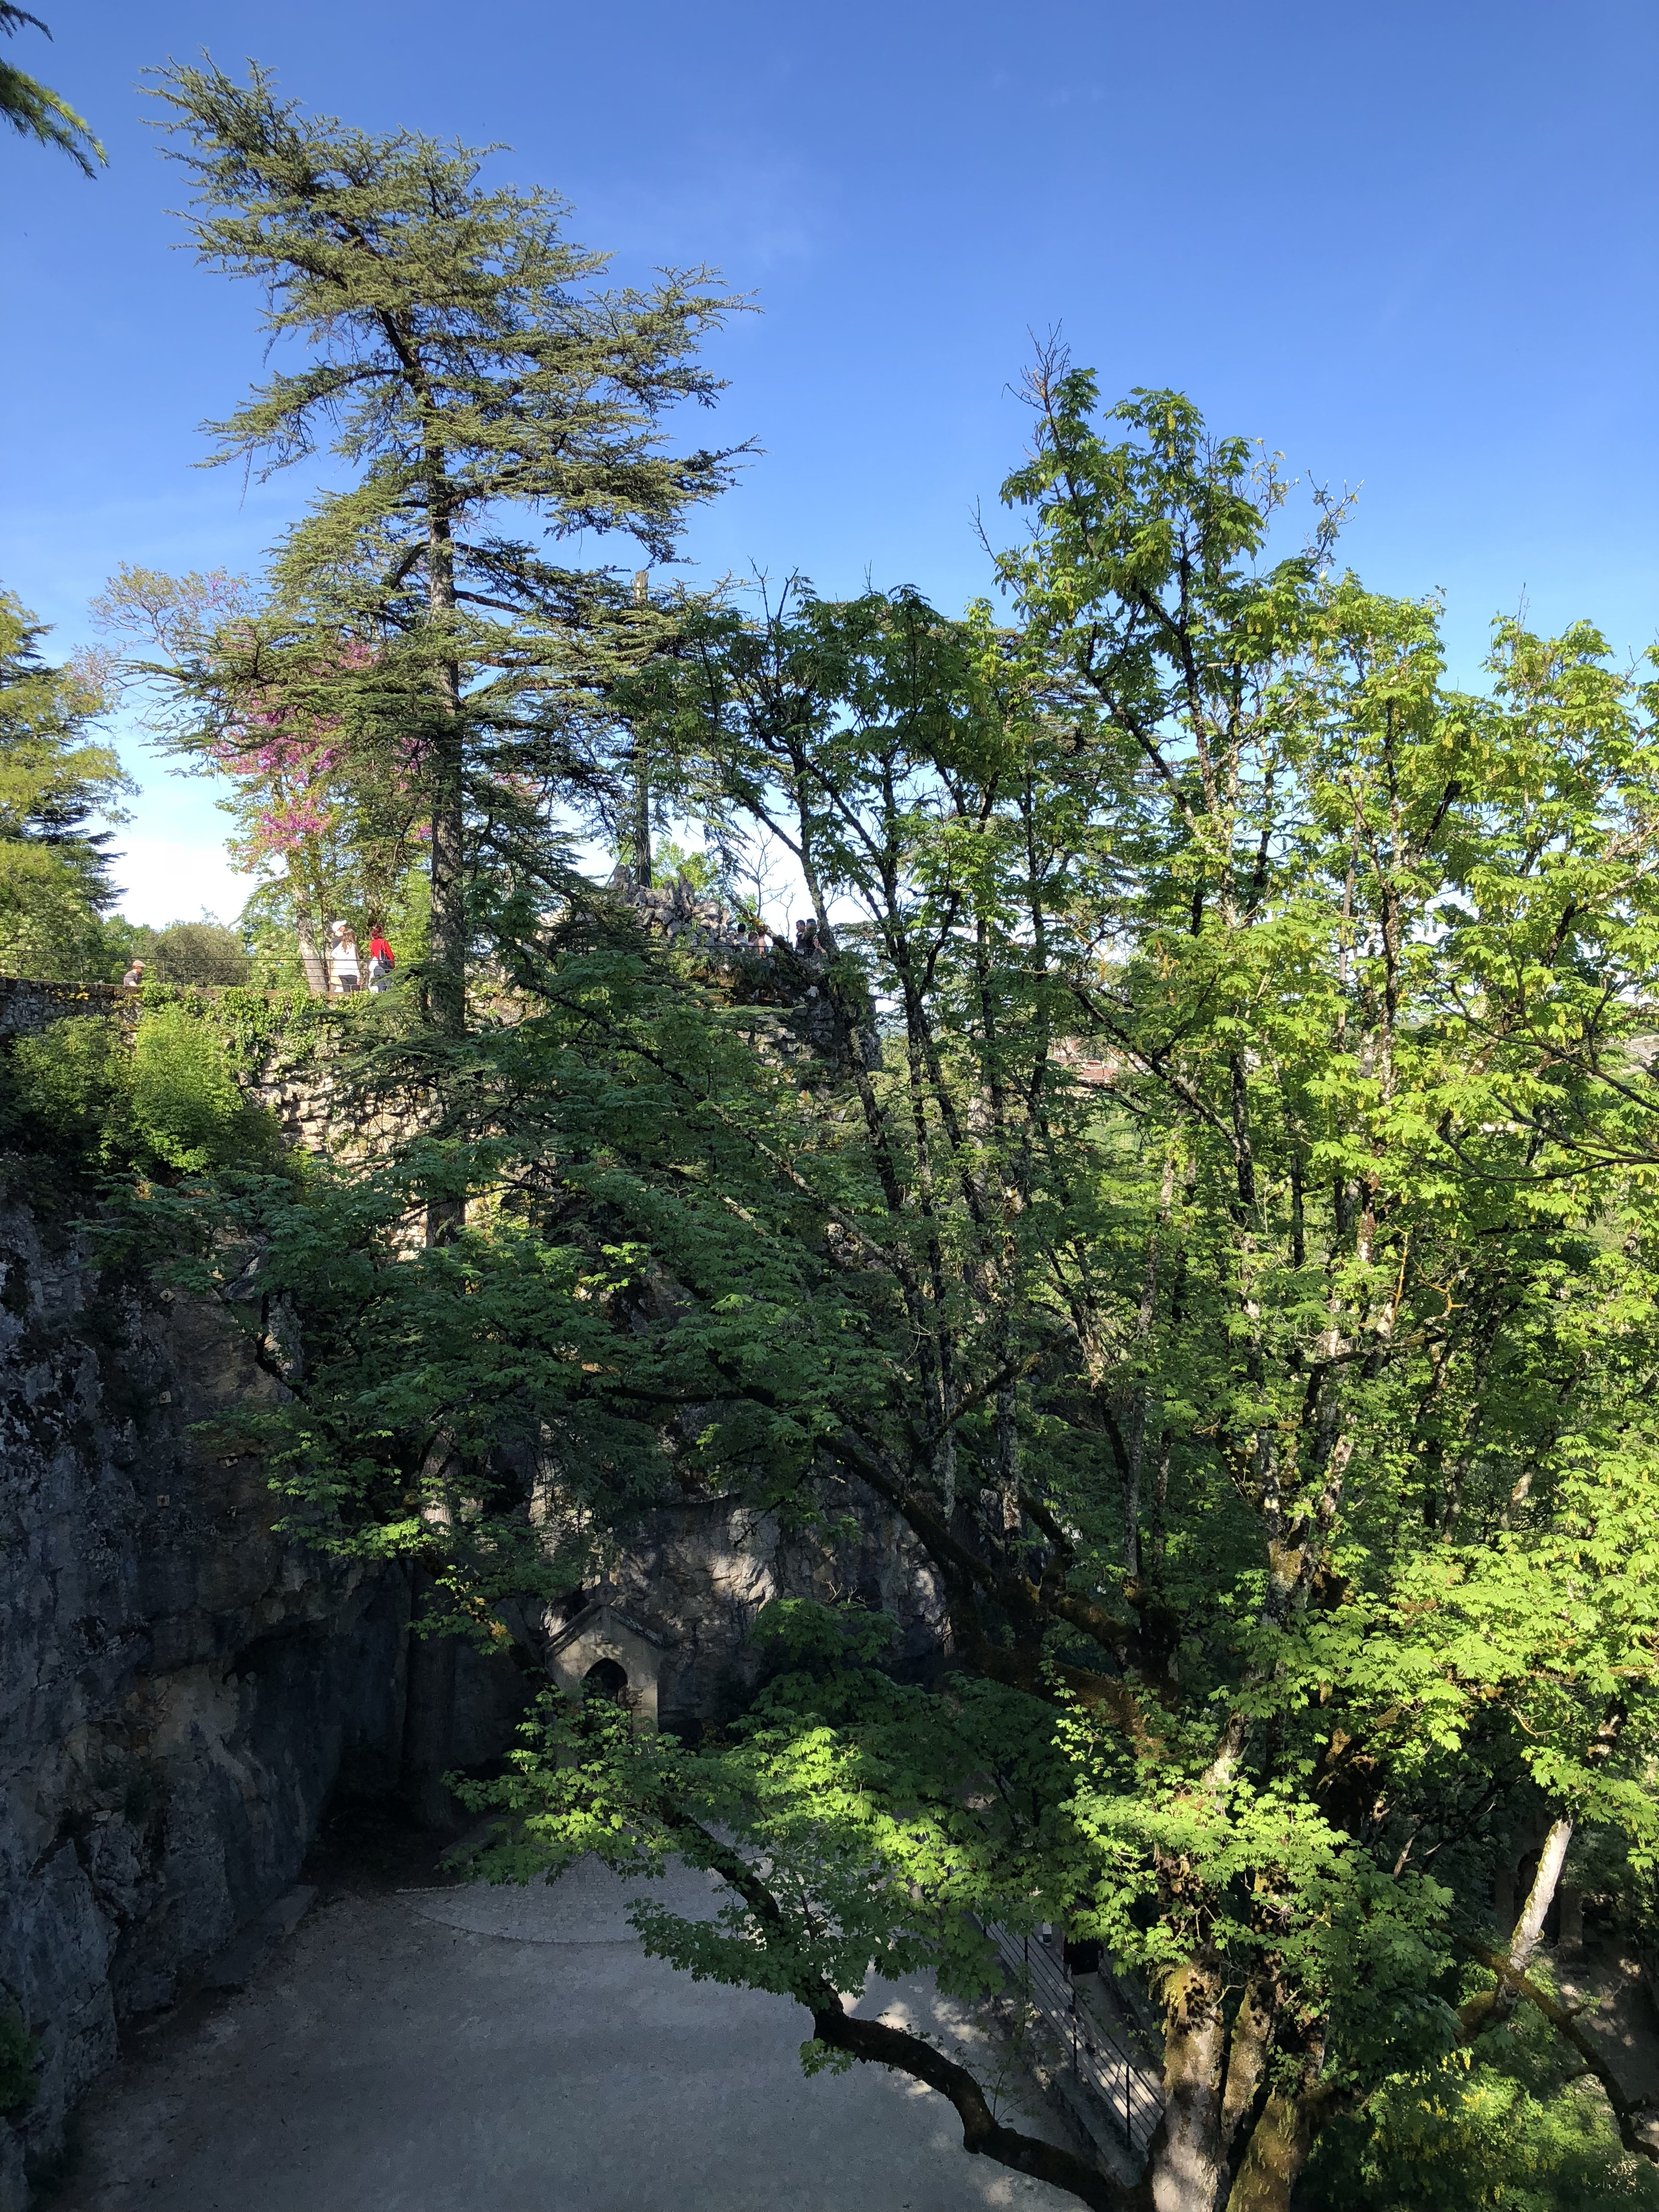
(381,962)
(343,957)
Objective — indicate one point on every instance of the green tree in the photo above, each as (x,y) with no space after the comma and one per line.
(1189,1235)
(307,723)
(34,111)
(54,869)
(204,951)
(468,367)
(94,1092)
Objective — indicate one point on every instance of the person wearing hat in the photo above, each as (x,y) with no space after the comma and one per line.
(342,956)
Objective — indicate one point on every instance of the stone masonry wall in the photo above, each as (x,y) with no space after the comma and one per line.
(27,1006)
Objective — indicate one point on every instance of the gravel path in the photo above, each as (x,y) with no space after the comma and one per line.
(514,2050)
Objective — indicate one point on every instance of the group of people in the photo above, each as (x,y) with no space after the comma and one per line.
(345,963)
(345,972)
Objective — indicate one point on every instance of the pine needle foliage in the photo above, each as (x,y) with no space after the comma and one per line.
(56,781)
(459,355)
(34,111)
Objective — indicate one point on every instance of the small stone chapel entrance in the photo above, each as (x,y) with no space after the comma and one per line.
(605,1652)
(606,1678)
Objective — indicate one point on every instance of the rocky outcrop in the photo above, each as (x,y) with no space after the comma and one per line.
(696,1575)
(804,1007)
(180,1689)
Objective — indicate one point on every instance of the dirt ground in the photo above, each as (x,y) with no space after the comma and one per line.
(1608,1989)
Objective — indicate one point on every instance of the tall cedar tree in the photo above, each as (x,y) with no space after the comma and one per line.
(54,781)
(464,362)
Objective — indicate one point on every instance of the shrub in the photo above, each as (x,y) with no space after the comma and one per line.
(162,1097)
(1498,2124)
(199,953)
(186,1108)
(68,1087)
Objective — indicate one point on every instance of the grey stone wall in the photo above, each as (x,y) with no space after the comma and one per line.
(180,1689)
(28,1006)
(698,1574)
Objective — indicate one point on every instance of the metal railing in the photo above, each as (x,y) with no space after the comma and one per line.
(1131,2093)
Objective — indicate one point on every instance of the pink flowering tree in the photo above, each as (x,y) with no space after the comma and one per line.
(306,724)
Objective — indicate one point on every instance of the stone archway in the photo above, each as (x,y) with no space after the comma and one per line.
(602,1638)
(608,1679)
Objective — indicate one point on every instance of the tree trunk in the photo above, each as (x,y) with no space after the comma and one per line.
(1248,2048)
(445,989)
(1187,2156)
(311,962)
(1529,1929)
(639,836)
(446,979)
(310,923)
(428,1720)
(1279,2146)
(640,762)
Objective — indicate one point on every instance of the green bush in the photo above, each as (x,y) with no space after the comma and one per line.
(186,1110)
(67,1090)
(199,953)
(1500,2124)
(163,1096)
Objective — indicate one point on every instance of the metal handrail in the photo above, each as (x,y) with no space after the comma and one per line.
(1133,2094)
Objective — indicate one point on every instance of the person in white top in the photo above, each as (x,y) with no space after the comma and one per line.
(342,956)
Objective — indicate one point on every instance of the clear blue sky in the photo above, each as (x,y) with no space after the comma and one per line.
(1411,245)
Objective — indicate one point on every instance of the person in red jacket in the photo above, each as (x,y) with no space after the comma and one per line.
(381,961)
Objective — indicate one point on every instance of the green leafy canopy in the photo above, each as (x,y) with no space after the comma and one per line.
(1210,1231)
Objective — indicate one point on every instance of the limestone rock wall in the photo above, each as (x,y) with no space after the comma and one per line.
(180,1688)
(696,1575)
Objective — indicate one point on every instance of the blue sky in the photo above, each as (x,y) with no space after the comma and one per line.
(1411,246)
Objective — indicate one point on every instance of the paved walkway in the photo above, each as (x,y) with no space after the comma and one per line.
(514,2050)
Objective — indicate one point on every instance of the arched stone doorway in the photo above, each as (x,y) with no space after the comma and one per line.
(603,1651)
(608,1679)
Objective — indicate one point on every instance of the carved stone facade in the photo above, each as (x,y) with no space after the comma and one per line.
(604,1648)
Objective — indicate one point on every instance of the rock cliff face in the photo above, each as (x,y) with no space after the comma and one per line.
(180,1688)
(698,1574)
